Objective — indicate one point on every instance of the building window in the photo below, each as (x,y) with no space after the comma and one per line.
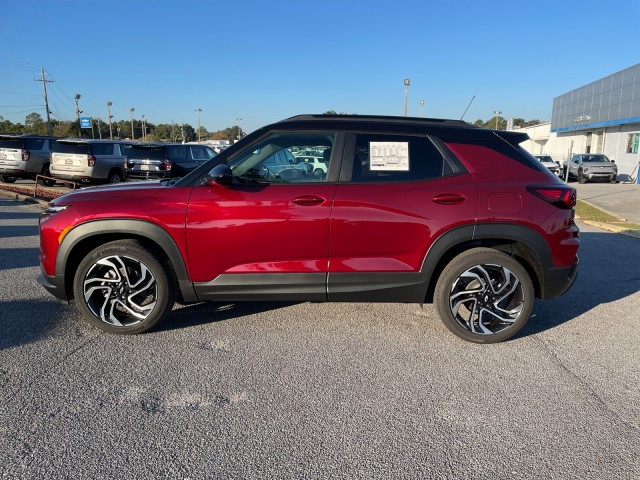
(633,142)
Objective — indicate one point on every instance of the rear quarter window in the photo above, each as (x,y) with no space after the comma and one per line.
(102,148)
(34,143)
(177,153)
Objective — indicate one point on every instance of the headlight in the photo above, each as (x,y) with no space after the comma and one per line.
(52,210)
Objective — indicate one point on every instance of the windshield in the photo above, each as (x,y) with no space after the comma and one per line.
(595,158)
(545,158)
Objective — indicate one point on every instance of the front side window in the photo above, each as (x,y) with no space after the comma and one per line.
(394,158)
(277,159)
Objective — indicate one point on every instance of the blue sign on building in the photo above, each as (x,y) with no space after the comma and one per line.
(85,122)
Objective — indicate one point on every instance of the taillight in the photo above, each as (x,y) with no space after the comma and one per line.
(167,165)
(91,160)
(560,196)
(25,154)
(126,162)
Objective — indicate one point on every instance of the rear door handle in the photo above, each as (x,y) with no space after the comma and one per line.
(449,198)
(308,200)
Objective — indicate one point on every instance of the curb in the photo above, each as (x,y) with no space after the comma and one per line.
(22,197)
(603,210)
(613,228)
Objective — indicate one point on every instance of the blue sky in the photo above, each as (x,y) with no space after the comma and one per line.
(263,61)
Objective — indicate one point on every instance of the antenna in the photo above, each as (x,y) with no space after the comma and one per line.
(465,111)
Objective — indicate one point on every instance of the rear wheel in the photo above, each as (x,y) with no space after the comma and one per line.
(484,296)
(115,176)
(122,287)
(47,182)
(6,179)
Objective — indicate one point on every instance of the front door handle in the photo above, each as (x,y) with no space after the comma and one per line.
(449,198)
(308,200)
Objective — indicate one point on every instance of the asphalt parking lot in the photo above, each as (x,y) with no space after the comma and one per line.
(304,390)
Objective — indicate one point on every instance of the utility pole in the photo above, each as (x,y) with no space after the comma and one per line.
(239,130)
(110,117)
(131,110)
(78,112)
(199,111)
(46,99)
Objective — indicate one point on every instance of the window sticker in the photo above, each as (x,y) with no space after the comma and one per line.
(389,156)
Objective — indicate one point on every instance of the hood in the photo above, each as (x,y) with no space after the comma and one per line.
(133,190)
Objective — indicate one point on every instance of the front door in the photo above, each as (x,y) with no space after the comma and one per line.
(268,233)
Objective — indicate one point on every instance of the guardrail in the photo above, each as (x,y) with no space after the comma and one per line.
(57,180)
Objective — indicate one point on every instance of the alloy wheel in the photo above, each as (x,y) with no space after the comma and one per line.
(120,291)
(486,299)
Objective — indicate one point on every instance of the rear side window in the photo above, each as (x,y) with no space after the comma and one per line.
(177,153)
(34,143)
(102,149)
(72,148)
(397,158)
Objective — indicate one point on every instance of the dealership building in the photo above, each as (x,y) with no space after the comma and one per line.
(600,117)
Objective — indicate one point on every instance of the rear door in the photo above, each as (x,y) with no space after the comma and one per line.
(397,194)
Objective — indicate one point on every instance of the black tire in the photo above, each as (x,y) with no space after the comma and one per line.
(119,303)
(491,280)
(6,179)
(47,173)
(115,176)
(581,177)
(318,173)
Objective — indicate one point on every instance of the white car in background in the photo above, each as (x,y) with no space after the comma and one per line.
(315,165)
(548,162)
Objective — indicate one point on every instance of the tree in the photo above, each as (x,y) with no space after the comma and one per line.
(34,124)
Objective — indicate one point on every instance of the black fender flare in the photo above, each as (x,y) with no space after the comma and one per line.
(129,228)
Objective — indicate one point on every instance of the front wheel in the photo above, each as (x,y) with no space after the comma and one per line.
(122,287)
(484,296)
(581,177)
(6,179)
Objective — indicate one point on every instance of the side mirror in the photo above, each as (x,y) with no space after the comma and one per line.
(219,175)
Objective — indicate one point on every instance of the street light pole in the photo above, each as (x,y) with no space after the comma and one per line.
(198,110)
(239,131)
(144,133)
(131,110)
(497,113)
(407,82)
(78,112)
(110,117)
(421,107)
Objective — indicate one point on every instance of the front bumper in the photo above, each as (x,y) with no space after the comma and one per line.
(55,286)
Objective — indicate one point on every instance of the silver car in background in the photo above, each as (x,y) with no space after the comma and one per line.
(89,161)
(25,156)
(547,161)
(587,167)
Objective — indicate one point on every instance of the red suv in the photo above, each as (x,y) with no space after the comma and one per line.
(409,210)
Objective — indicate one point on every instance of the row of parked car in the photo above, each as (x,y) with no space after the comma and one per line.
(95,161)
(584,167)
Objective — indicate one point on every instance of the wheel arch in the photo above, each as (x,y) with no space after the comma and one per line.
(522,242)
(87,236)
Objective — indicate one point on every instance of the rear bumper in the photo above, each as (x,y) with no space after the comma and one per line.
(558,280)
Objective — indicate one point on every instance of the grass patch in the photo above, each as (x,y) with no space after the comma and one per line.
(590,213)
